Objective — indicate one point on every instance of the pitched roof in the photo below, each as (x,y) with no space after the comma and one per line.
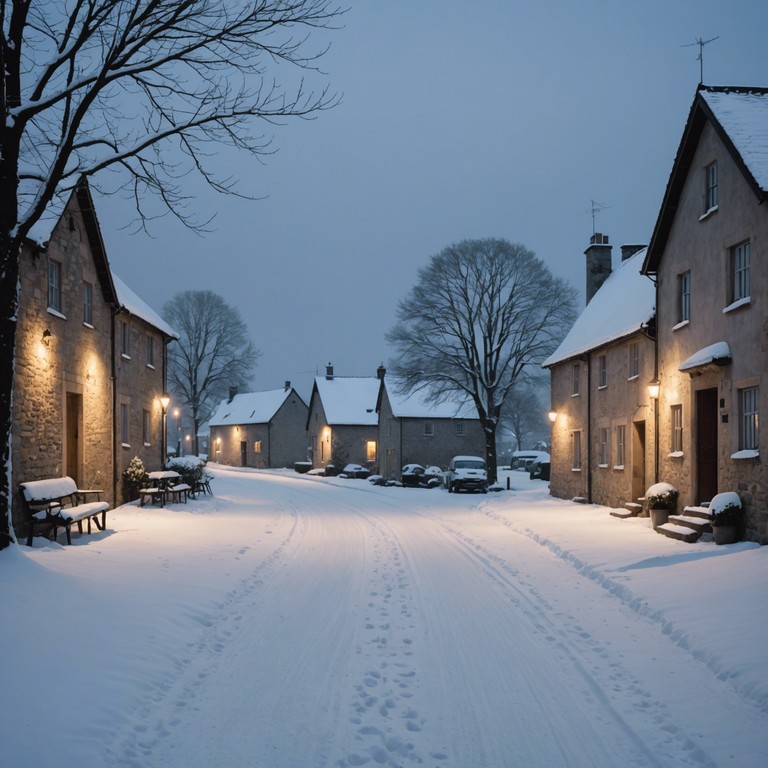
(740,118)
(250,408)
(348,399)
(134,305)
(623,305)
(417,404)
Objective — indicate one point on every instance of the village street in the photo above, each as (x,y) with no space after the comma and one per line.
(291,621)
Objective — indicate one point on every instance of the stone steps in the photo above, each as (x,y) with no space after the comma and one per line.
(689,526)
(679,532)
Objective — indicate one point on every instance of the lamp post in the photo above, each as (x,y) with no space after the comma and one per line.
(164,403)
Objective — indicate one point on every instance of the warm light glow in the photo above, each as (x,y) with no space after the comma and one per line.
(164,402)
(552,416)
(176,412)
(653,390)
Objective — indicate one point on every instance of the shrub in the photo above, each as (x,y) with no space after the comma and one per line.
(191,469)
(135,475)
(661,496)
(726,509)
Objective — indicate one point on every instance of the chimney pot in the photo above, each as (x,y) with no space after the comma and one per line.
(329,371)
(381,371)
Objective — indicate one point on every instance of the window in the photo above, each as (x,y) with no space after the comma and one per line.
(604,451)
(602,371)
(124,424)
(634,360)
(429,429)
(620,431)
(576,450)
(676,417)
(88,304)
(459,429)
(748,407)
(710,187)
(257,446)
(125,347)
(370,450)
(150,351)
(684,297)
(575,383)
(54,285)
(740,283)
(146,427)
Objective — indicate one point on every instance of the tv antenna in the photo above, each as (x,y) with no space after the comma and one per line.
(596,208)
(700,58)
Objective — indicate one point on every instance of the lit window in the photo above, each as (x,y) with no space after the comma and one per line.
(740,282)
(54,285)
(634,360)
(257,446)
(429,429)
(684,297)
(710,187)
(370,450)
(620,431)
(676,416)
(87,303)
(602,371)
(604,447)
(576,450)
(748,407)
(575,381)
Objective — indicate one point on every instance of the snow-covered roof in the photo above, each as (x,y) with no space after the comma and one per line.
(416,404)
(250,408)
(717,354)
(349,399)
(623,305)
(743,114)
(132,303)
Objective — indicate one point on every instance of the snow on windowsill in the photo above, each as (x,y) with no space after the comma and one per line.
(603,386)
(618,466)
(575,394)
(745,302)
(147,445)
(708,213)
(124,356)
(575,469)
(56,313)
(602,466)
(125,445)
(634,377)
(149,365)
(87,325)
(675,455)
(680,325)
(746,454)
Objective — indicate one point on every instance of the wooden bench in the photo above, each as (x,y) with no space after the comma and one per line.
(57,502)
(180,492)
(154,495)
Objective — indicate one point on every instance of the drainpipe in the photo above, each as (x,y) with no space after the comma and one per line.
(113,378)
(588,360)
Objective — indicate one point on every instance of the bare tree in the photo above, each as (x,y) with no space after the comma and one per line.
(482,313)
(522,411)
(214,351)
(148,89)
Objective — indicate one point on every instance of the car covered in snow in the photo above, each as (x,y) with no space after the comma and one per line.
(418,476)
(355,470)
(466,473)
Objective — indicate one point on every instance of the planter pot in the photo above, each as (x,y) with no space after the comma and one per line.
(659,516)
(724,534)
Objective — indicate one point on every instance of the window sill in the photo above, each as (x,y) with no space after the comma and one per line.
(124,356)
(634,377)
(680,325)
(149,365)
(602,386)
(575,394)
(147,445)
(620,467)
(745,302)
(125,445)
(87,325)
(575,469)
(602,466)
(745,454)
(675,455)
(708,213)
(56,313)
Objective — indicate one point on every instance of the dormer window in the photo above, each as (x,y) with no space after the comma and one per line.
(710,187)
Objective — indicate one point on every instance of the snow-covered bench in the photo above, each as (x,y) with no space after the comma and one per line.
(58,502)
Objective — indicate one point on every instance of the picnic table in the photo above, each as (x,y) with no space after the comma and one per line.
(165,485)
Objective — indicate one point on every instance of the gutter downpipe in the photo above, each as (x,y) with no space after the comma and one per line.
(588,360)
(113,376)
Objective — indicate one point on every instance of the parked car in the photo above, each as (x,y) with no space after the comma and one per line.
(412,475)
(539,470)
(466,473)
(355,470)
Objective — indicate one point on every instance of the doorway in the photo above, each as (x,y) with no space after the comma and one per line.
(705,442)
(73,422)
(243,453)
(639,480)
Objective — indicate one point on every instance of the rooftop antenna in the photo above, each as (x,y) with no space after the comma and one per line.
(700,58)
(596,208)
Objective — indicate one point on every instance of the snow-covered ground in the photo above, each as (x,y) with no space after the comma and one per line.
(300,622)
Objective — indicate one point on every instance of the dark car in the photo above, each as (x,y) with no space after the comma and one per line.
(539,470)
(412,475)
(356,471)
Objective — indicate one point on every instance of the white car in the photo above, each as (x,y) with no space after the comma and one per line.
(466,473)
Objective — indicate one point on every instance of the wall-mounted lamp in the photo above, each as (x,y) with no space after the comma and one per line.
(552,416)
(653,389)
(165,401)
(47,336)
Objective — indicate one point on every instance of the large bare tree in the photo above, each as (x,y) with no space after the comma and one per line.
(483,313)
(214,351)
(148,89)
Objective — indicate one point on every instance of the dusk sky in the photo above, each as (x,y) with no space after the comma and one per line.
(498,118)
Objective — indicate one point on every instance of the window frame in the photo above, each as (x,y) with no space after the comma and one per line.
(460,429)
(429,429)
(146,427)
(684,297)
(605,447)
(87,303)
(740,271)
(634,360)
(676,428)
(576,380)
(576,458)
(711,199)
(124,425)
(602,371)
(621,446)
(55,299)
(125,340)
(749,418)
(150,351)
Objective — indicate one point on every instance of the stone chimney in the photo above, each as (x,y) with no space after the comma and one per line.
(381,372)
(598,263)
(287,385)
(627,251)
(329,372)
(232,393)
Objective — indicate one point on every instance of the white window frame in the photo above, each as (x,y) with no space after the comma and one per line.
(749,419)
(621,445)
(684,297)
(605,447)
(88,304)
(634,360)
(576,451)
(710,187)
(125,340)
(54,285)
(576,380)
(676,428)
(740,271)
(602,371)
(146,427)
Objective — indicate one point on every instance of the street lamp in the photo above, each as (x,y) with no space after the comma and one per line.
(165,401)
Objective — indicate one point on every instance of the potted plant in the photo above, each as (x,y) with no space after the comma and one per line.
(726,512)
(135,477)
(660,503)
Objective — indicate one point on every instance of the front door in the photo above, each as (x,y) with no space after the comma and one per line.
(72,437)
(243,453)
(706,445)
(639,480)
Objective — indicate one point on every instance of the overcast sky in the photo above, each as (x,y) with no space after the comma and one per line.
(496,118)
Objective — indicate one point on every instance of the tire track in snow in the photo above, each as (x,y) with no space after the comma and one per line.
(163,702)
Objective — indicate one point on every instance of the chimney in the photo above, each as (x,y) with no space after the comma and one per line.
(381,371)
(627,251)
(232,393)
(598,263)
(329,372)
(287,385)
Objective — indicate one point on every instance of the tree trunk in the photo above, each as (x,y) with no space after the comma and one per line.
(490,450)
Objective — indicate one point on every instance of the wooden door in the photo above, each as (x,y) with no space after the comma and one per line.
(705,445)
(243,453)
(73,418)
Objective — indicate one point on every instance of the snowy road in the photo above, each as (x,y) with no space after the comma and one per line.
(301,623)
